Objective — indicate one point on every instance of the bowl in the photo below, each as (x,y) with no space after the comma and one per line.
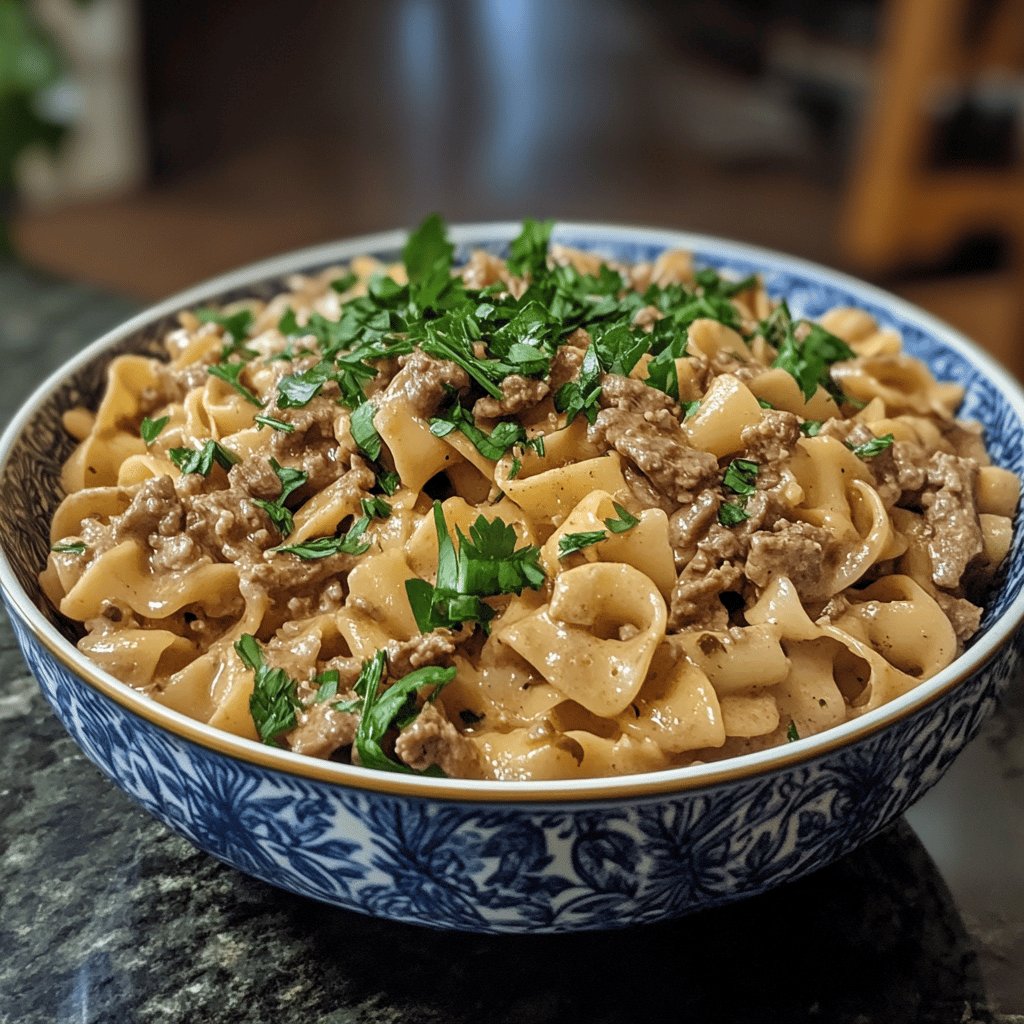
(503,856)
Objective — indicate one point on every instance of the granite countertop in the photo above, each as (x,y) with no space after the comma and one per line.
(107,916)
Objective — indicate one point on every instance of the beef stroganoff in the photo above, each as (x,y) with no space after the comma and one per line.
(542,517)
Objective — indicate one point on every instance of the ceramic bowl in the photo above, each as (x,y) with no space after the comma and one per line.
(512,857)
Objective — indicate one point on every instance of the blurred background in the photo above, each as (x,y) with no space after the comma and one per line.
(145,145)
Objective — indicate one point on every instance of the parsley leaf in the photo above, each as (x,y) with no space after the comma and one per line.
(351,543)
(741,476)
(149,430)
(75,547)
(229,373)
(344,283)
(389,482)
(791,732)
(689,408)
(765,404)
(291,481)
(298,389)
(428,260)
(491,446)
(487,563)
(626,520)
(807,361)
(581,395)
(570,543)
(380,710)
(528,252)
(201,460)
(236,325)
(274,701)
(811,428)
(869,449)
(328,688)
(375,507)
(364,433)
(731,514)
(270,421)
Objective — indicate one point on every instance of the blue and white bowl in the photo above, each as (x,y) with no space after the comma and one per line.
(512,857)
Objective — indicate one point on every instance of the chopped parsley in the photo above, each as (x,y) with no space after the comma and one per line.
(269,421)
(486,563)
(236,325)
(732,514)
(328,687)
(791,732)
(344,283)
(528,252)
(811,428)
(299,389)
(869,449)
(75,547)
(201,460)
(381,712)
(352,543)
(765,404)
(149,430)
(516,468)
(571,543)
(274,701)
(741,476)
(689,408)
(491,446)
(808,362)
(388,481)
(229,372)
(364,433)
(375,508)
(291,481)
(626,520)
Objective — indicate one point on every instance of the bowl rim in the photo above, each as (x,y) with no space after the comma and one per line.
(558,791)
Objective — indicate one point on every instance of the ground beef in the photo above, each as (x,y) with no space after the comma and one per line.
(427,382)
(434,648)
(229,527)
(964,617)
(257,478)
(653,440)
(800,551)
(949,511)
(900,471)
(696,598)
(432,740)
(691,522)
(773,438)
(518,393)
(313,445)
(156,509)
(565,366)
(322,729)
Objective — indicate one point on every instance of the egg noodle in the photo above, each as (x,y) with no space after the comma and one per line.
(543,517)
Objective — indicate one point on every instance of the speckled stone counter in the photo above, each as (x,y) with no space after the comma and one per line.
(107,916)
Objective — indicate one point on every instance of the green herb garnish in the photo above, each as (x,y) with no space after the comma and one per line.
(571,543)
(270,421)
(236,325)
(811,428)
(869,449)
(791,733)
(493,445)
(626,520)
(375,507)
(741,476)
(351,543)
(201,460)
(229,373)
(487,563)
(291,481)
(149,430)
(381,711)
(731,514)
(807,361)
(274,701)
(364,433)
(75,547)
